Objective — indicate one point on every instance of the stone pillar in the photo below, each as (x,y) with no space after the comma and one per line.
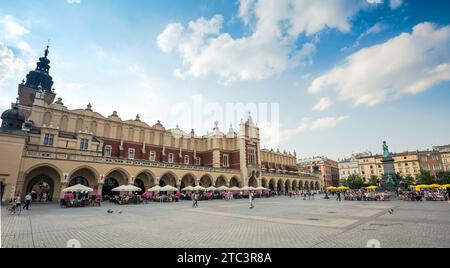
(131,180)
(100,188)
(100,183)
(63,185)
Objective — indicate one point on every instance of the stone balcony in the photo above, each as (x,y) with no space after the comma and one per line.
(42,152)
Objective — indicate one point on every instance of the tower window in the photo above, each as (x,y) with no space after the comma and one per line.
(152,156)
(84,144)
(226,162)
(131,153)
(170,158)
(251,155)
(48,139)
(108,150)
(186,159)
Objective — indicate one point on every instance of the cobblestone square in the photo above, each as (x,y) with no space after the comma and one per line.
(276,222)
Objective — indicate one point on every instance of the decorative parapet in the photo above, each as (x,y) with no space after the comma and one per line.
(294,176)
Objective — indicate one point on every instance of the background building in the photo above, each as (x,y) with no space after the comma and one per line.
(430,161)
(348,167)
(445,156)
(407,164)
(327,168)
(370,166)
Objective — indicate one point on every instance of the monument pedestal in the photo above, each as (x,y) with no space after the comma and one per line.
(388,166)
(388,182)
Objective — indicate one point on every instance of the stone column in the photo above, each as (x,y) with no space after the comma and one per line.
(100,188)
(100,182)
(63,185)
(131,180)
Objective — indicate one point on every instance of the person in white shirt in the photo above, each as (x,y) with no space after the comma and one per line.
(251,196)
(28,198)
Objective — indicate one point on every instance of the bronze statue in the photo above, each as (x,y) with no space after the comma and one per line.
(386,153)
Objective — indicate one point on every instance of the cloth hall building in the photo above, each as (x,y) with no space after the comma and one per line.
(46,147)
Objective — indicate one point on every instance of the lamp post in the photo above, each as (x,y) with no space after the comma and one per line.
(325,185)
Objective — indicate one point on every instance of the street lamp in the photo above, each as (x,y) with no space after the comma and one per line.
(325,185)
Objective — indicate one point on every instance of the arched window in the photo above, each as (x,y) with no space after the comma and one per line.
(79,180)
(108,151)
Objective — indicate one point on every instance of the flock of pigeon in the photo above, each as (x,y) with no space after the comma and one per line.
(112,211)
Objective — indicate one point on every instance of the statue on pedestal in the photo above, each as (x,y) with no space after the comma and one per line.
(386,153)
(389,179)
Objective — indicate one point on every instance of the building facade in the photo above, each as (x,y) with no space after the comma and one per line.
(348,167)
(370,166)
(327,169)
(407,164)
(430,161)
(445,156)
(46,147)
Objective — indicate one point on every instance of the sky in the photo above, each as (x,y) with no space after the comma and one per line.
(319,77)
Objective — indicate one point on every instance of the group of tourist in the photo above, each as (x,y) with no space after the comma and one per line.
(366,195)
(306,194)
(77,199)
(436,194)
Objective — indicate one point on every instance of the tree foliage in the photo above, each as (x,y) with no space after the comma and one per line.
(355,181)
(408,180)
(443,177)
(425,178)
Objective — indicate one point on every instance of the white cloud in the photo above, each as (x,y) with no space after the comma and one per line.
(12,29)
(394,4)
(271,46)
(323,104)
(307,124)
(9,64)
(25,47)
(375,29)
(74,1)
(407,64)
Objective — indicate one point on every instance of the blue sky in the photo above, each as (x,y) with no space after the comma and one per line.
(345,74)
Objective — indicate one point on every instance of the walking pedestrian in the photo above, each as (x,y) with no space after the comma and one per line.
(17,201)
(28,198)
(196,197)
(338,196)
(193,199)
(251,197)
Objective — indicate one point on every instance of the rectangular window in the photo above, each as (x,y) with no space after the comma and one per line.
(424,159)
(226,160)
(186,159)
(108,151)
(152,156)
(48,139)
(435,157)
(84,144)
(198,161)
(170,158)
(131,153)
(426,167)
(251,156)
(437,167)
